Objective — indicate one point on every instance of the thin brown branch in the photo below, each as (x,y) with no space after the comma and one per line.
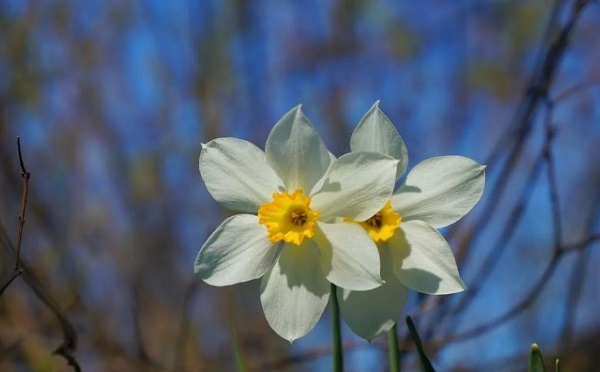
(14,275)
(66,352)
(25,175)
(21,268)
(69,343)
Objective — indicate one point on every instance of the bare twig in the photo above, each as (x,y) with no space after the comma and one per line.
(25,175)
(70,337)
(14,275)
(21,268)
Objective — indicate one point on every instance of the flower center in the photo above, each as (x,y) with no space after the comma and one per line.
(288,217)
(376,221)
(298,217)
(383,224)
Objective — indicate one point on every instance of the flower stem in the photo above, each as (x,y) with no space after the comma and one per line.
(393,349)
(336,339)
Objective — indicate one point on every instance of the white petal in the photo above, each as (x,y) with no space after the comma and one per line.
(236,252)
(357,186)
(295,292)
(237,174)
(296,152)
(375,132)
(369,313)
(320,183)
(349,258)
(440,190)
(423,260)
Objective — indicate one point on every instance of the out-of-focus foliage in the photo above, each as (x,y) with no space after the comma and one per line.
(112,100)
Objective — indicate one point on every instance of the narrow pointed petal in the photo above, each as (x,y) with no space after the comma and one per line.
(238,251)
(349,258)
(296,152)
(423,260)
(375,132)
(440,190)
(294,293)
(237,175)
(357,186)
(370,313)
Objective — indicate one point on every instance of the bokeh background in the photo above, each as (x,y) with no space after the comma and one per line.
(112,99)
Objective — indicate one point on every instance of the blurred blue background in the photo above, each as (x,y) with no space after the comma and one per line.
(112,100)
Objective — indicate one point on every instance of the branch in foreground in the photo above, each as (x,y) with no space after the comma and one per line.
(70,336)
(25,175)
(21,268)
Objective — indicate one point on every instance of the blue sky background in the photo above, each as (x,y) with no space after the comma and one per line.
(112,100)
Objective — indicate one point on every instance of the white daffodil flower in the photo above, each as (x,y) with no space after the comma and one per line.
(437,192)
(294,193)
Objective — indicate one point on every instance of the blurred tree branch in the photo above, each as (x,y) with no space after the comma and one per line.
(536,94)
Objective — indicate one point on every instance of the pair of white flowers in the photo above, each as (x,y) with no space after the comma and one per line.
(311,219)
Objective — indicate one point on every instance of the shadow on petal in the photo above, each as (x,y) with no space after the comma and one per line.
(325,251)
(408,188)
(399,248)
(370,313)
(415,278)
(328,186)
(428,282)
(300,265)
(294,293)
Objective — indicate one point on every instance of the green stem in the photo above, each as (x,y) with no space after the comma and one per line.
(393,349)
(336,339)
